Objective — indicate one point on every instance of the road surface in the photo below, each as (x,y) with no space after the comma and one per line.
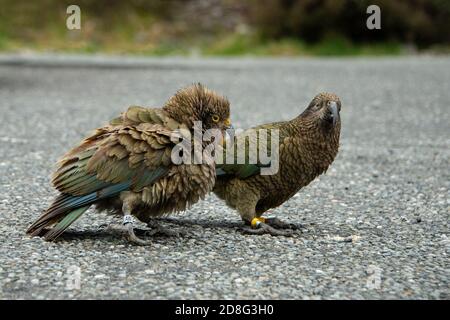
(376,225)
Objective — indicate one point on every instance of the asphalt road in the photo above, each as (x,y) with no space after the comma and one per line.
(375,226)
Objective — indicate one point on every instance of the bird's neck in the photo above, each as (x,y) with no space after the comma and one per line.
(314,130)
(321,142)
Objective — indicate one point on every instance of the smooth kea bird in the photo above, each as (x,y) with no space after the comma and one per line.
(126,166)
(307,145)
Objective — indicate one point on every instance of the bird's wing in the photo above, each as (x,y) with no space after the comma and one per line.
(136,115)
(129,154)
(246,169)
(134,153)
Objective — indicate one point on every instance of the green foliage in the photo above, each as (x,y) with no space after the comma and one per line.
(423,22)
(271,27)
(331,46)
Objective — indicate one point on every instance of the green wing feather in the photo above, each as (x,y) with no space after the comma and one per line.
(246,169)
(115,158)
(70,218)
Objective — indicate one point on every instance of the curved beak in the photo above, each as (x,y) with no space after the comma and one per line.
(333,107)
(226,134)
(228,124)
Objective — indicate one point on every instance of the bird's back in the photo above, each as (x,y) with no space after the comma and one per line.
(302,157)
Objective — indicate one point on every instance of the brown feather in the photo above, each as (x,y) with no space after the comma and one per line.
(308,146)
(132,150)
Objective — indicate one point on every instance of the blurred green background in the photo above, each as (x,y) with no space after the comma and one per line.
(227,27)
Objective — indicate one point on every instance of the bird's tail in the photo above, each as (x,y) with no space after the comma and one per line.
(64,211)
(67,208)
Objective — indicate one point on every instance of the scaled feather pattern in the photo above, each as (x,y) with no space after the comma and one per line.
(128,161)
(308,144)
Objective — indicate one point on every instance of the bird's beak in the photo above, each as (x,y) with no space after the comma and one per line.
(228,124)
(225,133)
(333,107)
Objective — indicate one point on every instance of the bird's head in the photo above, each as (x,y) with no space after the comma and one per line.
(325,109)
(198,103)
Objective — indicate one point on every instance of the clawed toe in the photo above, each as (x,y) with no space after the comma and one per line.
(279,224)
(135,235)
(158,230)
(130,233)
(142,232)
(264,228)
(131,236)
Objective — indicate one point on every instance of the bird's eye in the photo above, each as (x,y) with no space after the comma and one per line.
(215,118)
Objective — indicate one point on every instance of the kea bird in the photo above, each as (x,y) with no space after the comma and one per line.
(307,145)
(126,166)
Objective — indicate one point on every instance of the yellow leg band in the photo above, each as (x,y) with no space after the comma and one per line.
(257,221)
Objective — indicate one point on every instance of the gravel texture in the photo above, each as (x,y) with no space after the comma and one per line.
(375,226)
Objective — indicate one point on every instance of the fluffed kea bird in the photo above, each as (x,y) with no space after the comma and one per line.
(126,167)
(308,145)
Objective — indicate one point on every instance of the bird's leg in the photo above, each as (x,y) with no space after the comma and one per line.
(260,226)
(128,223)
(122,229)
(256,225)
(130,235)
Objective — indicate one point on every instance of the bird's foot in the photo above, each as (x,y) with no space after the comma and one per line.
(259,226)
(159,230)
(127,229)
(133,238)
(279,224)
(165,232)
